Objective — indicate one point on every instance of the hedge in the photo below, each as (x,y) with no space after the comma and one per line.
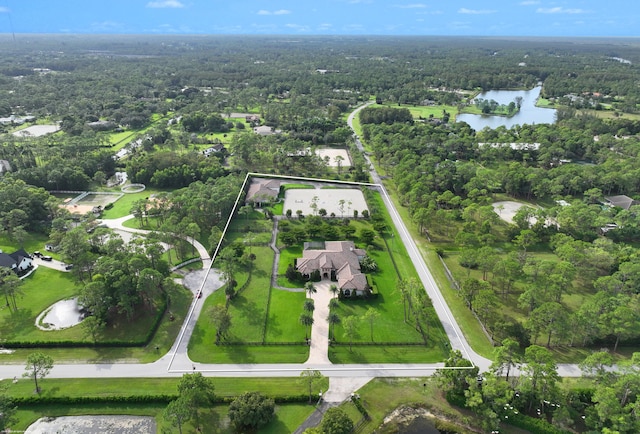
(134,399)
(538,426)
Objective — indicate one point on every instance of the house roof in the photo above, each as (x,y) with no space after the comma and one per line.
(621,201)
(6,260)
(265,130)
(12,259)
(262,189)
(339,256)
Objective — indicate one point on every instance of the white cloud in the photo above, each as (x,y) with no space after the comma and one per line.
(560,10)
(106,26)
(529,2)
(278,12)
(412,6)
(165,4)
(4,10)
(298,27)
(475,11)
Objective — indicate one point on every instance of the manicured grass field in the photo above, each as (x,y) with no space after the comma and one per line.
(284,307)
(248,312)
(122,206)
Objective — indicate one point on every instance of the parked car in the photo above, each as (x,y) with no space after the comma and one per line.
(47,258)
(37,254)
(68,266)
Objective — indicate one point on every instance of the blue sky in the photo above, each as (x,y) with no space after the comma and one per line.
(325,17)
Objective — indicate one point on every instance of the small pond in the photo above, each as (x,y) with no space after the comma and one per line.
(528,114)
(419,425)
(61,315)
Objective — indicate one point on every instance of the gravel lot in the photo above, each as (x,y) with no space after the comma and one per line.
(94,425)
(37,130)
(332,154)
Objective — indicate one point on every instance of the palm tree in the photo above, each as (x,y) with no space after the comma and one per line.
(309,306)
(332,319)
(310,289)
(306,320)
(334,290)
(334,303)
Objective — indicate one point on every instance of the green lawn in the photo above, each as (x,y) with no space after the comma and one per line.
(284,310)
(32,242)
(163,339)
(248,313)
(424,111)
(42,289)
(287,418)
(122,206)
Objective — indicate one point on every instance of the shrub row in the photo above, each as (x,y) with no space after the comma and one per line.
(100,344)
(75,400)
(134,399)
(259,344)
(532,424)
(382,344)
(358,403)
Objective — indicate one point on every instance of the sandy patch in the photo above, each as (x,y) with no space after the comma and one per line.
(37,130)
(507,209)
(329,199)
(61,315)
(94,424)
(332,154)
(78,209)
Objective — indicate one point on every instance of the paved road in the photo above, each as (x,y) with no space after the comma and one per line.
(451,327)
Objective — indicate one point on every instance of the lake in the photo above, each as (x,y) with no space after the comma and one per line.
(528,114)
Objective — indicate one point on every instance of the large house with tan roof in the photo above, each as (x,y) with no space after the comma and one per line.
(262,191)
(335,260)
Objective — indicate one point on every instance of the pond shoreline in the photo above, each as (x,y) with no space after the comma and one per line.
(403,419)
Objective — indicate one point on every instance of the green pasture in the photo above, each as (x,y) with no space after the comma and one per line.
(424,112)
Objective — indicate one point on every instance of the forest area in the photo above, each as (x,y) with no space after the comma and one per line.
(564,274)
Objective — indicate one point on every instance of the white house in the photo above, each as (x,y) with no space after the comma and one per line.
(19,261)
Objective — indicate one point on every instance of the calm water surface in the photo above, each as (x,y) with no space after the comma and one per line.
(528,114)
(419,425)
